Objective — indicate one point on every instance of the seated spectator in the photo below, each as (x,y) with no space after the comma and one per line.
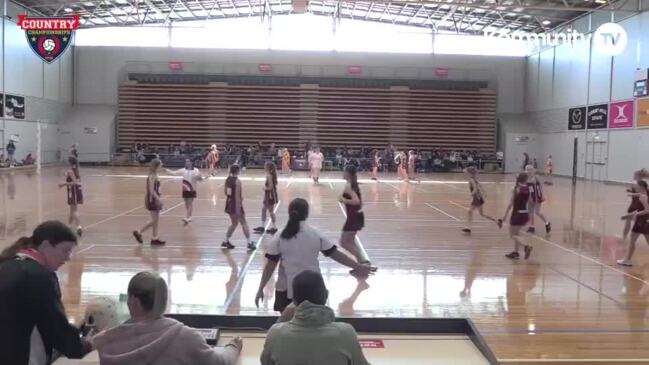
(29,160)
(150,338)
(312,337)
(33,322)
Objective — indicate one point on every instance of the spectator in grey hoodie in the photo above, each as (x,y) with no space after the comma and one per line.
(149,338)
(312,337)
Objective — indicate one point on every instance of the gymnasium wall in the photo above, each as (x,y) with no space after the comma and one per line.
(47,89)
(562,77)
(108,67)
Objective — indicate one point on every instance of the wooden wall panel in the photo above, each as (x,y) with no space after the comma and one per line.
(219,113)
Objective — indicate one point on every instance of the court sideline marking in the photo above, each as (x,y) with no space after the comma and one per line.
(573,252)
(443,212)
(246,266)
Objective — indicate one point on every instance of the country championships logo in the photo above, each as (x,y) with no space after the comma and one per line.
(48,37)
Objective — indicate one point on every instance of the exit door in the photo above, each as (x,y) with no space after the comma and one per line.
(596,156)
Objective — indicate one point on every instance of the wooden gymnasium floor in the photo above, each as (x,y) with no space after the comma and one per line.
(568,303)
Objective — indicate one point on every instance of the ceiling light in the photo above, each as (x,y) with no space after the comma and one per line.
(68,10)
(546,22)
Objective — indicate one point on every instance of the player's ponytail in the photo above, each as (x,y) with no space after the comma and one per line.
(298,211)
(643,173)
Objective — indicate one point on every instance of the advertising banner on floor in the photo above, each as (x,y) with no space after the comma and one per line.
(621,114)
(577,118)
(642,112)
(597,116)
(14,106)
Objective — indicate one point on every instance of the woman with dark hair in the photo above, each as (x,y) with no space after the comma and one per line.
(75,194)
(270,199)
(152,203)
(32,318)
(635,204)
(296,249)
(355,221)
(640,216)
(234,208)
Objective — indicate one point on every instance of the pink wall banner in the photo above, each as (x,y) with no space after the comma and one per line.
(620,114)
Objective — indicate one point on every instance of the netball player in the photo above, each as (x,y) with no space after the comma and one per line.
(412,159)
(351,198)
(477,198)
(402,161)
(75,193)
(270,199)
(152,203)
(286,162)
(191,177)
(536,199)
(316,159)
(635,205)
(376,161)
(213,160)
(518,205)
(641,222)
(234,208)
(549,170)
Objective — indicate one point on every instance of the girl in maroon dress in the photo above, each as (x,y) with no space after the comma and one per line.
(520,216)
(270,199)
(234,208)
(355,221)
(640,219)
(477,198)
(74,192)
(635,204)
(536,199)
(152,203)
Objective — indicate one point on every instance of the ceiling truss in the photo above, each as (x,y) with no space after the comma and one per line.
(459,16)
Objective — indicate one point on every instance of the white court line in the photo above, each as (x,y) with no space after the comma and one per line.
(114,217)
(290,181)
(83,250)
(587,258)
(172,208)
(306,179)
(331,185)
(246,266)
(441,211)
(459,205)
(573,252)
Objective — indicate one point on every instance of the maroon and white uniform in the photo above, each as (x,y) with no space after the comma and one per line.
(477,200)
(536,191)
(75,194)
(520,215)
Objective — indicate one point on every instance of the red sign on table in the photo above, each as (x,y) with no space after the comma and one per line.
(354,70)
(265,68)
(176,66)
(441,72)
(371,344)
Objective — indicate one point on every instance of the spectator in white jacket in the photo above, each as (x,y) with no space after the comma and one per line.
(312,337)
(149,338)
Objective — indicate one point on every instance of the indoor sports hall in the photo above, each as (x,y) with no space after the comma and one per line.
(450,182)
